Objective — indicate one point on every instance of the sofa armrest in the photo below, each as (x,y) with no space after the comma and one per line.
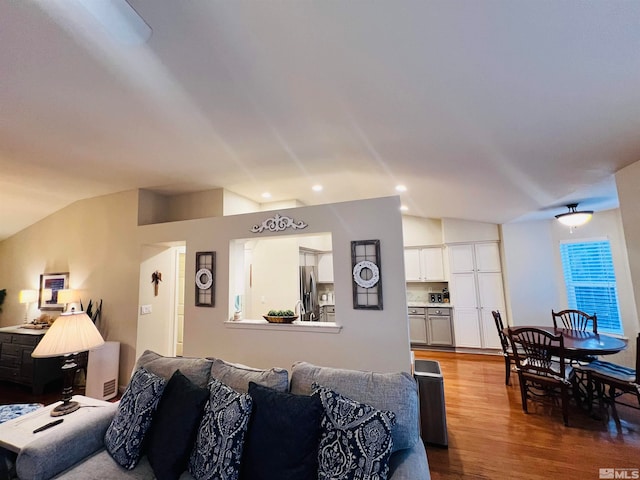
(410,464)
(60,449)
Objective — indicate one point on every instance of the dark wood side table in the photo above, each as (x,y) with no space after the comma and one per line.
(18,366)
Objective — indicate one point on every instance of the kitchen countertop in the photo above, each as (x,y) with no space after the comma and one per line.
(429,305)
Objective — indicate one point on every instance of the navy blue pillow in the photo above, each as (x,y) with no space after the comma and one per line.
(125,435)
(174,427)
(282,440)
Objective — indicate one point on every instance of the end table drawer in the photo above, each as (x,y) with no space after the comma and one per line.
(10,349)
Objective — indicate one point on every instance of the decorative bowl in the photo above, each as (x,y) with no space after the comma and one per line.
(273,319)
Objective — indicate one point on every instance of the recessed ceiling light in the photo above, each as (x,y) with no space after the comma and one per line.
(317,188)
(401,188)
(266,195)
(404,208)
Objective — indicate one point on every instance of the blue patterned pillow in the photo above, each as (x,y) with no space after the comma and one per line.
(125,434)
(355,443)
(220,439)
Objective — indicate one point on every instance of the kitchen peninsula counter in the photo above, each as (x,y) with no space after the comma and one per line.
(297,326)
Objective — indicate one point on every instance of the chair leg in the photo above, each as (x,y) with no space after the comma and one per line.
(565,404)
(523,393)
(612,399)
(507,369)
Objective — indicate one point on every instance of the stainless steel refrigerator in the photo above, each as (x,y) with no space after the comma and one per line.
(309,294)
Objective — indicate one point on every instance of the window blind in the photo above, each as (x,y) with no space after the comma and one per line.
(591,282)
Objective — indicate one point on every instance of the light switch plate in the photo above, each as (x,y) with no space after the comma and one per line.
(145,309)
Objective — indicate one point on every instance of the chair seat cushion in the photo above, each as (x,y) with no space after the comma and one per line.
(608,369)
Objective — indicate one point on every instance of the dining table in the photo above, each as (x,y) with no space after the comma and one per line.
(581,343)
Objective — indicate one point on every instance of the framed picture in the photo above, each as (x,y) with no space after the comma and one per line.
(50,283)
(205,279)
(367,274)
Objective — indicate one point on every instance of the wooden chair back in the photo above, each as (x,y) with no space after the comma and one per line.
(538,347)
(504,340)
(575,320)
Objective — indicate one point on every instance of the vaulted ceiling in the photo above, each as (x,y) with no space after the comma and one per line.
(490,110)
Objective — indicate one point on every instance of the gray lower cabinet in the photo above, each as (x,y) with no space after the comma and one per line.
(417,325)
(431,326)
(439,328)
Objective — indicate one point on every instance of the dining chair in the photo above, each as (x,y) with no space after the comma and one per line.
(507,351)
(618,378)
(541,367)
(575,320)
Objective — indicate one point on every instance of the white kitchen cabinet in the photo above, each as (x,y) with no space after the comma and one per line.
(476,289)
(424,264)
(325,267)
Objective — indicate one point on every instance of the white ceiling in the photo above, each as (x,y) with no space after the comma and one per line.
(491,110)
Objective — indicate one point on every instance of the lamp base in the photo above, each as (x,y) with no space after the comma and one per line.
(65,408)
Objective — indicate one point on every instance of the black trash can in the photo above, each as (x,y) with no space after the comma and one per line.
(433,416)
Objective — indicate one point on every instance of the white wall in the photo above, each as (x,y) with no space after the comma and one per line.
(530,271)
(275,276)
(418,231)
(369,340)
(464,231)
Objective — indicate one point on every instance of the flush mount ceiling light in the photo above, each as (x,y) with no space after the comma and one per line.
(574,218)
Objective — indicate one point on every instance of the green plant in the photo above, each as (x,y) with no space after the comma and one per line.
(280,313)
(3,293)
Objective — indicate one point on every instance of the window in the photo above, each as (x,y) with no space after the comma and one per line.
(591,281)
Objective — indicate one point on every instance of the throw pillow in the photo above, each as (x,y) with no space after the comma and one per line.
(174,426)
(220,437)
(195,369)
(283,435)
(396,392)
(238,376)
(124,436)
(356,442)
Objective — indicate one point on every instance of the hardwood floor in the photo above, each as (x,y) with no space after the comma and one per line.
(490,437)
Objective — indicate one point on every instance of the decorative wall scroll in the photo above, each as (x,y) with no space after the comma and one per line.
(278,223)
(205,279)
(367,280)
(50,283)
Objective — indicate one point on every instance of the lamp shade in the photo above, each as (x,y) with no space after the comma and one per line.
(574,218)
(67,296)
(72,332)
(28,296)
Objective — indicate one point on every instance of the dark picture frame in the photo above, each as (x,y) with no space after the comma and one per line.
(205,279)
(366,275)
(54,282)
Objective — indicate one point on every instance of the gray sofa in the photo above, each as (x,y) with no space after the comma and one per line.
(79,454)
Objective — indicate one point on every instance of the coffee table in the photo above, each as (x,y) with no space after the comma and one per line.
(17,433)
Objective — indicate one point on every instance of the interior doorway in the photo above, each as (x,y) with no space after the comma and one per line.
(161,302)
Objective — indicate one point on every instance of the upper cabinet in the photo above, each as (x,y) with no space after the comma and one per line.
(479,257)
(325,267)
(424,264)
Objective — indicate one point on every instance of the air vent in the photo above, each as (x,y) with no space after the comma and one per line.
(109,388)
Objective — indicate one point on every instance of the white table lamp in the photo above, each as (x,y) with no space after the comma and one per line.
(72,332)
(27,297)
